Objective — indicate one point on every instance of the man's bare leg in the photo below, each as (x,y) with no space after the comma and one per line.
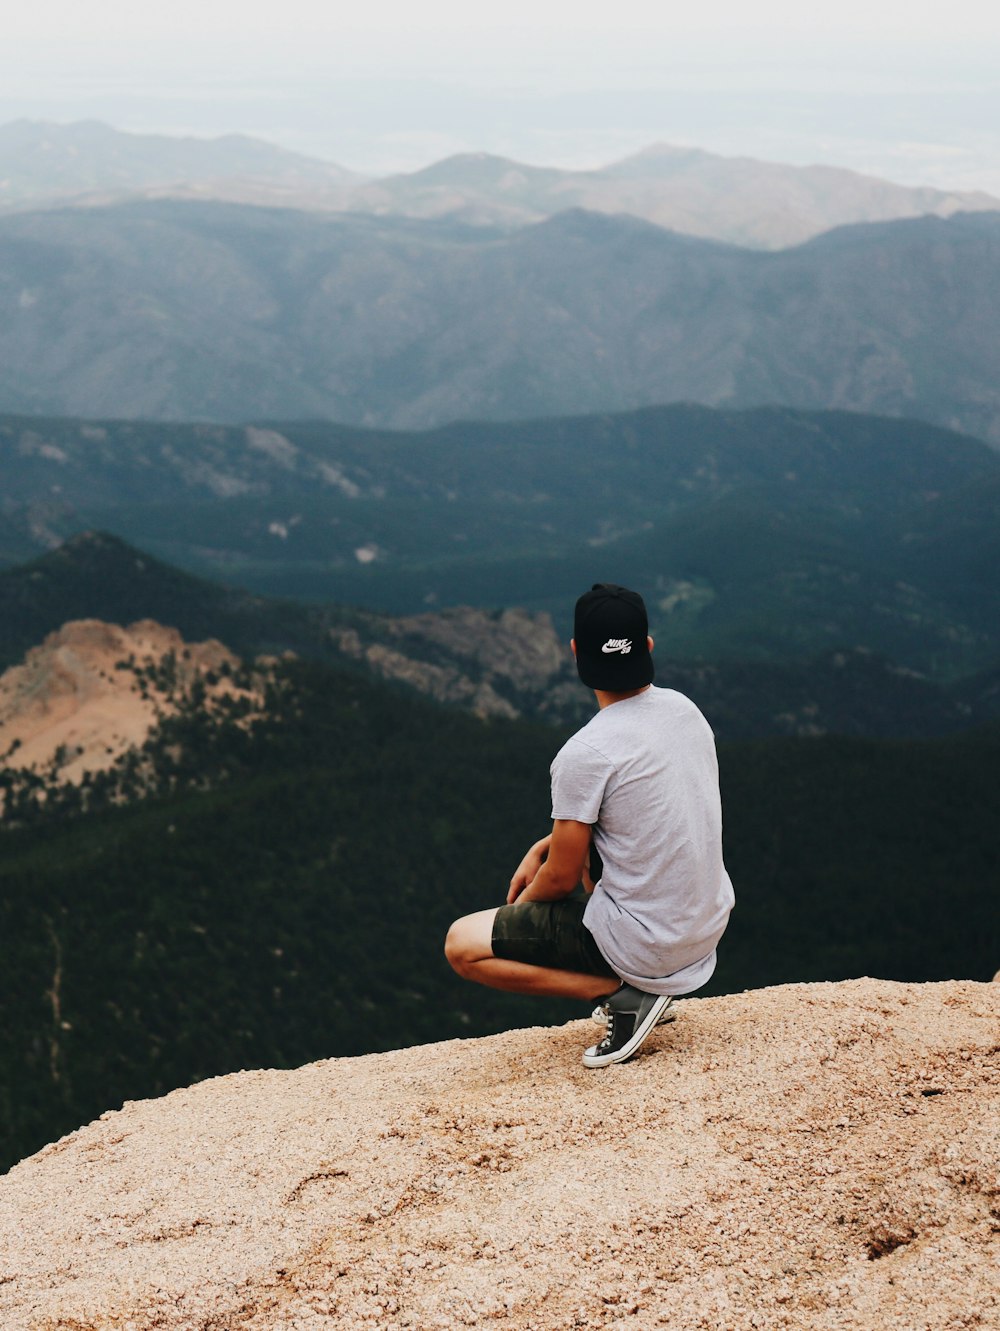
(469,949)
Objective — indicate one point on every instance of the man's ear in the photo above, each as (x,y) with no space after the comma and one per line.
(572,643)
(649,643)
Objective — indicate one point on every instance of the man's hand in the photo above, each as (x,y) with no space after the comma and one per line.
(566,852)
(588,877)
(525,872)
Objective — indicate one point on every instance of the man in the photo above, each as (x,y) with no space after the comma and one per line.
(641,781)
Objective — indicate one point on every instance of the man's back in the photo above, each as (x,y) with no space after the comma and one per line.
(644,772)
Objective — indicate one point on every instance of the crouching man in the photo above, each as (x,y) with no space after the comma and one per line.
(641,781)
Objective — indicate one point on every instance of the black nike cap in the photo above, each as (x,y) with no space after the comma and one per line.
(611,628)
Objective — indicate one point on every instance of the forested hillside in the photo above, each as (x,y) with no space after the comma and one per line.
(769,535)
(505,663)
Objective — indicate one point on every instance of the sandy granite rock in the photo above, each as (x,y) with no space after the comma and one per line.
(821,1156)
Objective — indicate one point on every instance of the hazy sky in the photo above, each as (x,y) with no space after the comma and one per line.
(458,24)
(909,90)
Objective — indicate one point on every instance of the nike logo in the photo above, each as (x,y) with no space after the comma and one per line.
(623,645)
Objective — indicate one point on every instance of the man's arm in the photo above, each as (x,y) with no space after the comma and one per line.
(566,857)
(528,867)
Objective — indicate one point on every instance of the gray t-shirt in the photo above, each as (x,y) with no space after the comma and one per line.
(644,773)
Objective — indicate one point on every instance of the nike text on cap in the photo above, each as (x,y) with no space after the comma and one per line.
(610,627)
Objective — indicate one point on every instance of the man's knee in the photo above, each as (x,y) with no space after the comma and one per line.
(453,945)
(458,946)
(469,940)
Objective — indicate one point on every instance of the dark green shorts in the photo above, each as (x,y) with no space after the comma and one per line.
(548,933)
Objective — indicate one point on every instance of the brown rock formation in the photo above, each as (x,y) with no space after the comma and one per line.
(820,1156)
(72,707)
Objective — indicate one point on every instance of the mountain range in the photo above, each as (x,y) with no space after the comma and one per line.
(739,200)
(171,310)
(823,583)
(734,199)
(761,536)
(88,162)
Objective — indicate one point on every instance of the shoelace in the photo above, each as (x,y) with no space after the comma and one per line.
(609,1032)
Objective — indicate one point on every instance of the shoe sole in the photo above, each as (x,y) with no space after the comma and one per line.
(631,1045)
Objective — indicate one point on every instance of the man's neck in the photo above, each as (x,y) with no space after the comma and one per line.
(606,699)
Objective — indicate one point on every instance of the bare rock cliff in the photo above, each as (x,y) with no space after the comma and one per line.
(78,702)
(493,664)
(819,1156)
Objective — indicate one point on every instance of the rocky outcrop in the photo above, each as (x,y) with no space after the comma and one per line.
(92,691)
(819,1156)
(506,663)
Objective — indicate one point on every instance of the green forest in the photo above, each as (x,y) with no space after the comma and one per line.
(268,892)
(764,536)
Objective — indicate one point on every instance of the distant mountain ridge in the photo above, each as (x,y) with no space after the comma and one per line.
(734,199)
(88,162)
(174,310)
(765,536)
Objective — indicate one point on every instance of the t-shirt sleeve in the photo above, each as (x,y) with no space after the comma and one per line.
(580,779)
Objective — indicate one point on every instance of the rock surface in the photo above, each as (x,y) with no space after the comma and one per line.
(494,665)
(813,1156)
(74,707)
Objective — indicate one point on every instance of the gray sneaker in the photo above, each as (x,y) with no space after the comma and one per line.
(632,1014)
(600,1014)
